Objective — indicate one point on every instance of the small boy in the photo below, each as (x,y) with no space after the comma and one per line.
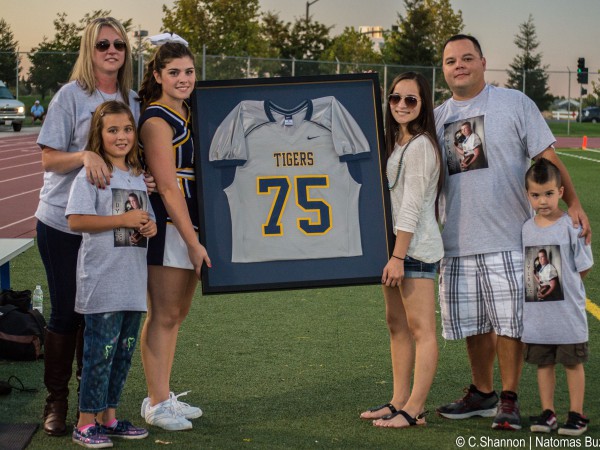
(555,329)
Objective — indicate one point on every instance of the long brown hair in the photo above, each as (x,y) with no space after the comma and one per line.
(95,143)
(424,123)
(83,71)
(150,90)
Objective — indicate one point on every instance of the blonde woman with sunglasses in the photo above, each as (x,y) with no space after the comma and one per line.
(413,171)
(103,71)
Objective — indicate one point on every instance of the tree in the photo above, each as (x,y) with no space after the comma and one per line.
(527,67)
(225,27)
(308,40)
(351,46)
(52,61)
(419,37)
(303,40)
(412,43)
(9,58)
(445,23)
(595,92)
(276,33)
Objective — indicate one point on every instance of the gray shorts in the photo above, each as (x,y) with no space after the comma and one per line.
(482,293)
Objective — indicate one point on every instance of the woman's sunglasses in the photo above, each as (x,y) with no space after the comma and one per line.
(409,100)
(104,45)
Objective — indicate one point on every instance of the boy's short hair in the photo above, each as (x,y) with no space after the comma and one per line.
(541,172)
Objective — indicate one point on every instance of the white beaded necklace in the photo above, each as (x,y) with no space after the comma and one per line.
(392,185)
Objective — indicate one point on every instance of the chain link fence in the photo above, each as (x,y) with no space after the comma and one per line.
(53,70)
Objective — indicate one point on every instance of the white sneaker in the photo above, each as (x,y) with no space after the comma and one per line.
(183,409)
(145,404)
(164,415)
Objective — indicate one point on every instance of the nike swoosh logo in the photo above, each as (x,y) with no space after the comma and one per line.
(312,137)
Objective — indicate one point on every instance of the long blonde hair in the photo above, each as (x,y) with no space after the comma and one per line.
(83,71)
(95,143)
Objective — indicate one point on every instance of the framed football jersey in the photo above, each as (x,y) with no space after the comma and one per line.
(291,187)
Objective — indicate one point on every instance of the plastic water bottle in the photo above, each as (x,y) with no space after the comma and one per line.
(38,299)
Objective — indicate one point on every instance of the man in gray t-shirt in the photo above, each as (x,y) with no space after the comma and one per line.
(483,210)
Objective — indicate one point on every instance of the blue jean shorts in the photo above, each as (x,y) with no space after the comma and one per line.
(413,268)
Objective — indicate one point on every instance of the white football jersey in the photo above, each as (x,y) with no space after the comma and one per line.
(292,196)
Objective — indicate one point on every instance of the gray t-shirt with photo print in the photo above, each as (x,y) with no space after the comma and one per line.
(66,129)
(561,320)
(484,209)
(111,265)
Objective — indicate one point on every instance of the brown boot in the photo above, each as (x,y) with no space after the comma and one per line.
(79,357)
(58,366)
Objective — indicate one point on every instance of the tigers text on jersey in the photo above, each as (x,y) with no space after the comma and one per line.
(292,196)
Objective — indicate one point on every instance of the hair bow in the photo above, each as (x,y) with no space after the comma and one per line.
(163,38)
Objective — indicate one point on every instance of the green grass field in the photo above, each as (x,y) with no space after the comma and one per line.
(293,369)
(559,128)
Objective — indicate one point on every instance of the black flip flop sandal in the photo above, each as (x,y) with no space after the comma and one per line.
(380,407)
(412,421)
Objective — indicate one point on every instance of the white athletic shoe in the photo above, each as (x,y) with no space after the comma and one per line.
(183,409)
(165,416)
(145,404)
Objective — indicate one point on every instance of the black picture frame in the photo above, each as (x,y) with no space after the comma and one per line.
(360,95)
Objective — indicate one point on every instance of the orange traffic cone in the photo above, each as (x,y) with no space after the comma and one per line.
(584,143)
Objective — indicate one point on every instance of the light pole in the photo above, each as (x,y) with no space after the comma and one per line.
(308,6)
(140,35)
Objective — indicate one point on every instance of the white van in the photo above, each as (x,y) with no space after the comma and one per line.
(12,112)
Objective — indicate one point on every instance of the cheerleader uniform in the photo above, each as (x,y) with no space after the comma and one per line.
(168,248)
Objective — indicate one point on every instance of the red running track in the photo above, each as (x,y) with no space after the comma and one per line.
(21,178)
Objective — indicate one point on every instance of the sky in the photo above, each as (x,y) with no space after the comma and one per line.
(565,29)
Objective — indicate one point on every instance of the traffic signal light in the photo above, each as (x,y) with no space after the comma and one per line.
(583,91)
(582,71)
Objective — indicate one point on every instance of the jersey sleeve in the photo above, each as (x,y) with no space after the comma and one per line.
(228,145)
(348,138)
(552,272)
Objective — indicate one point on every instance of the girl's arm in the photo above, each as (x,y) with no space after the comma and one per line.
(393,272)
(83,223)
(63,162)
(157,135)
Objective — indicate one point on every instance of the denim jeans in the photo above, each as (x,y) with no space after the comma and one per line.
(109,342)
(59,254)
(413,268)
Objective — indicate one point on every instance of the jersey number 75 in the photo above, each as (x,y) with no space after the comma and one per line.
(280,187)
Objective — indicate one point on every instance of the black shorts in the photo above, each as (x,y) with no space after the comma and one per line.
(565,354)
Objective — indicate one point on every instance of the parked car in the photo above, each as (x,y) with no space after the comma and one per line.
(12,112)
(591,114)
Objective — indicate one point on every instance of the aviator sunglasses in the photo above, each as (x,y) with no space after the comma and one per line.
(104,45)
(409,100)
